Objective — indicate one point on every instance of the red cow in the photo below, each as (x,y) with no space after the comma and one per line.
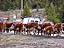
(53,29)
(43,26)
(58,27)
(17,27)
(1,26)
(7,25)
(49,30)
(30,25)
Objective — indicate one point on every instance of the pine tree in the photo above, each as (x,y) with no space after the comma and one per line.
(27,10)
(52,14)
(6,5)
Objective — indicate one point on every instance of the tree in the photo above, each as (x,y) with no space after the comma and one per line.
(6,5)
(52,14)
(61,10)
(27,10)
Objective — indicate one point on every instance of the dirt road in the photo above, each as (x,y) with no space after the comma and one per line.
(21,41)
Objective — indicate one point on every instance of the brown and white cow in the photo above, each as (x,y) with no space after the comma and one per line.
(1,26)
(18,26)
(58,27)
(7,25)
(49,30)
(53,29)
(30,25)
(43,26)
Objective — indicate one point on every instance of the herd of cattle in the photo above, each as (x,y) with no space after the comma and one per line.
(34,27)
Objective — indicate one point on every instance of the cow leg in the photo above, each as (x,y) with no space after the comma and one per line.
(45,32)
(34,31)
(14,31)
(3,30)
(58,31)
(23,31)
(38,32)
(7,30)
(53,33)
(0,30)
(19,30)
(30,31)
(42,31)
(27,31)
(49,33)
